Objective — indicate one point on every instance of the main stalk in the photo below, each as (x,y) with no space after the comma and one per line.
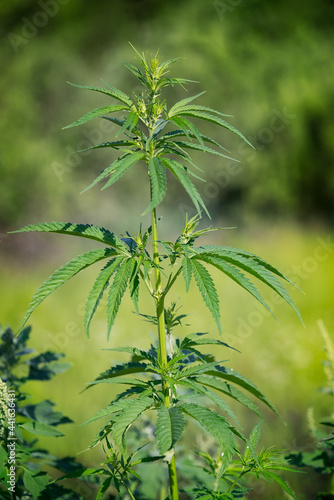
(160,312)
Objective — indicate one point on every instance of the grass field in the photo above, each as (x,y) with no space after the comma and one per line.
(283,358)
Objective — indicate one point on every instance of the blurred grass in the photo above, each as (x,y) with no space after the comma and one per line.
(284,358)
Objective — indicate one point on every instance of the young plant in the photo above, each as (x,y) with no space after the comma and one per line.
(163,379)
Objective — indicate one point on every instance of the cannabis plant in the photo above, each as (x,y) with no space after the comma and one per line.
(159,138)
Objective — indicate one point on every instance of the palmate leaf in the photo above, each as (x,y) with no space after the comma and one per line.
(170,425)
(112,92)
(96,113)
(237,276)
(215,424)
(114,407)
(63,274)
(188,128)
(230,375)
(157,173)
(229,390)
(206,114)
(195,339)
(116,291)
(283,484)
(180,173)
(207,289)
(213,396)
(183,102)
(117,169)
(200,147)
(96,293)
(124,419)
(187,271)
(89,231)
(122,370)
(254,266)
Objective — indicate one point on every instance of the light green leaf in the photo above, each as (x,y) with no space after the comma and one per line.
(187,271)
(130,122)
(105,485)
(208,290)
(97,113)
(116,291)
(229,390)
(41,429)
(117,169)
(63,274)
(237,276)
(230,375)
(96,293)
(180,173)
(283,484)
(197,112)
(183,103)
(215,424)
(89,231)
(157,173)
(200,147)
(124,419)
(112,92)
(254,266)
(35,483)
(170,425)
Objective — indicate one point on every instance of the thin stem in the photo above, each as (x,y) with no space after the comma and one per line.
(160,311)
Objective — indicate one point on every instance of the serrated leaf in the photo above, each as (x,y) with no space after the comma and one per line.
(41,429)
(229,390)
(183,103)
(198,112)
(63,274)
(89,231)
(105,485)
(117,169)
(200,147)
(35,483)
(123,421)
(237,276)
(235,377)
(130,122)
(283,484)
(112,92)
(215,398)
(254,266)
(116,291)
(195,339)
(215,424)
(97,113)
(96,293)
(208,290)
(157,173)
(90,471)
(170,425)
(253,441)
(180,173)
(187,271)
(106,412)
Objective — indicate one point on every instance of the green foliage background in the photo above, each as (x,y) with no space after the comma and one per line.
(269,64)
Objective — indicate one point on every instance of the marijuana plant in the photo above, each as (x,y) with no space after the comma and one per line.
(159,138)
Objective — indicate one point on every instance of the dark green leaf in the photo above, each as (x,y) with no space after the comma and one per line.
(63,274)
(170,425)
(157,173)
(117,289)
(97,113)
(130,413)
(41,429)
(112,92)
(96,293)
(89,231)
(207,289)
(180,173)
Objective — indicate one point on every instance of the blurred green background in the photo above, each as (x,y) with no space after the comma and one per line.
(269,65)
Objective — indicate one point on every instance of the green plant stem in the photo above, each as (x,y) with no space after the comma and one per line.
(160,311)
